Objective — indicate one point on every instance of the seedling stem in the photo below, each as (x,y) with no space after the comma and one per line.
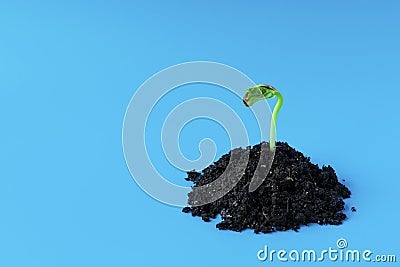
(260,92)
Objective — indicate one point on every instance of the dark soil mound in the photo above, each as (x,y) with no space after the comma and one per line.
(295,192)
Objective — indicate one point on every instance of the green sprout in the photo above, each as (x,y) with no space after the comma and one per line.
(260,92)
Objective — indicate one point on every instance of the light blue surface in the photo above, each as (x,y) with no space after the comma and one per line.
(69,68)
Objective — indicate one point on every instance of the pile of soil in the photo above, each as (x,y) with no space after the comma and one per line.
(295,192)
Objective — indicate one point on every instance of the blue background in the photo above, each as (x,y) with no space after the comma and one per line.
(69,68)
